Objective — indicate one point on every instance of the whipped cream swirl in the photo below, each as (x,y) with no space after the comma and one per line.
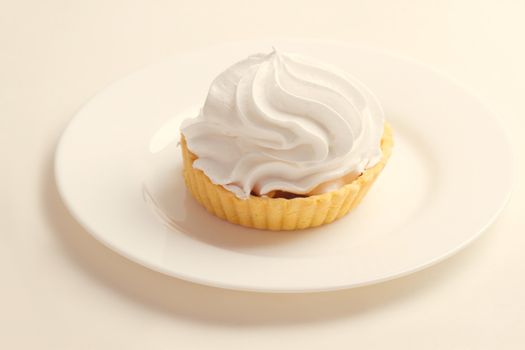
(283,122)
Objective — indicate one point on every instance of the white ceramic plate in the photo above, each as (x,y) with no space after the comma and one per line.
(118,170)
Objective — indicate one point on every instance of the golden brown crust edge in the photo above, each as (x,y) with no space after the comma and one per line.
(278,213)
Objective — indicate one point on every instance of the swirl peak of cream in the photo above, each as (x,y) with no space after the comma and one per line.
(284,122)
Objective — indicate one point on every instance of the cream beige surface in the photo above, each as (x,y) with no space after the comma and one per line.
(60,289)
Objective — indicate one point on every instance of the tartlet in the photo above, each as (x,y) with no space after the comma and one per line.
(309,183)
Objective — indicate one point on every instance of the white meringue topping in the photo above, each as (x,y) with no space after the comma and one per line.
(285,122)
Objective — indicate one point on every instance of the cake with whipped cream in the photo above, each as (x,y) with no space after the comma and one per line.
(284,142)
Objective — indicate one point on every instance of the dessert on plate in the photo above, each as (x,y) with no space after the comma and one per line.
(284,142)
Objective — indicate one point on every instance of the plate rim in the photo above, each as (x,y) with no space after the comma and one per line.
(214,283)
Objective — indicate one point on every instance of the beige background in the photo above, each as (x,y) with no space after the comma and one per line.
(60,289)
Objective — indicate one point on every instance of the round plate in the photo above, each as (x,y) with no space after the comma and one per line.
(118,169)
